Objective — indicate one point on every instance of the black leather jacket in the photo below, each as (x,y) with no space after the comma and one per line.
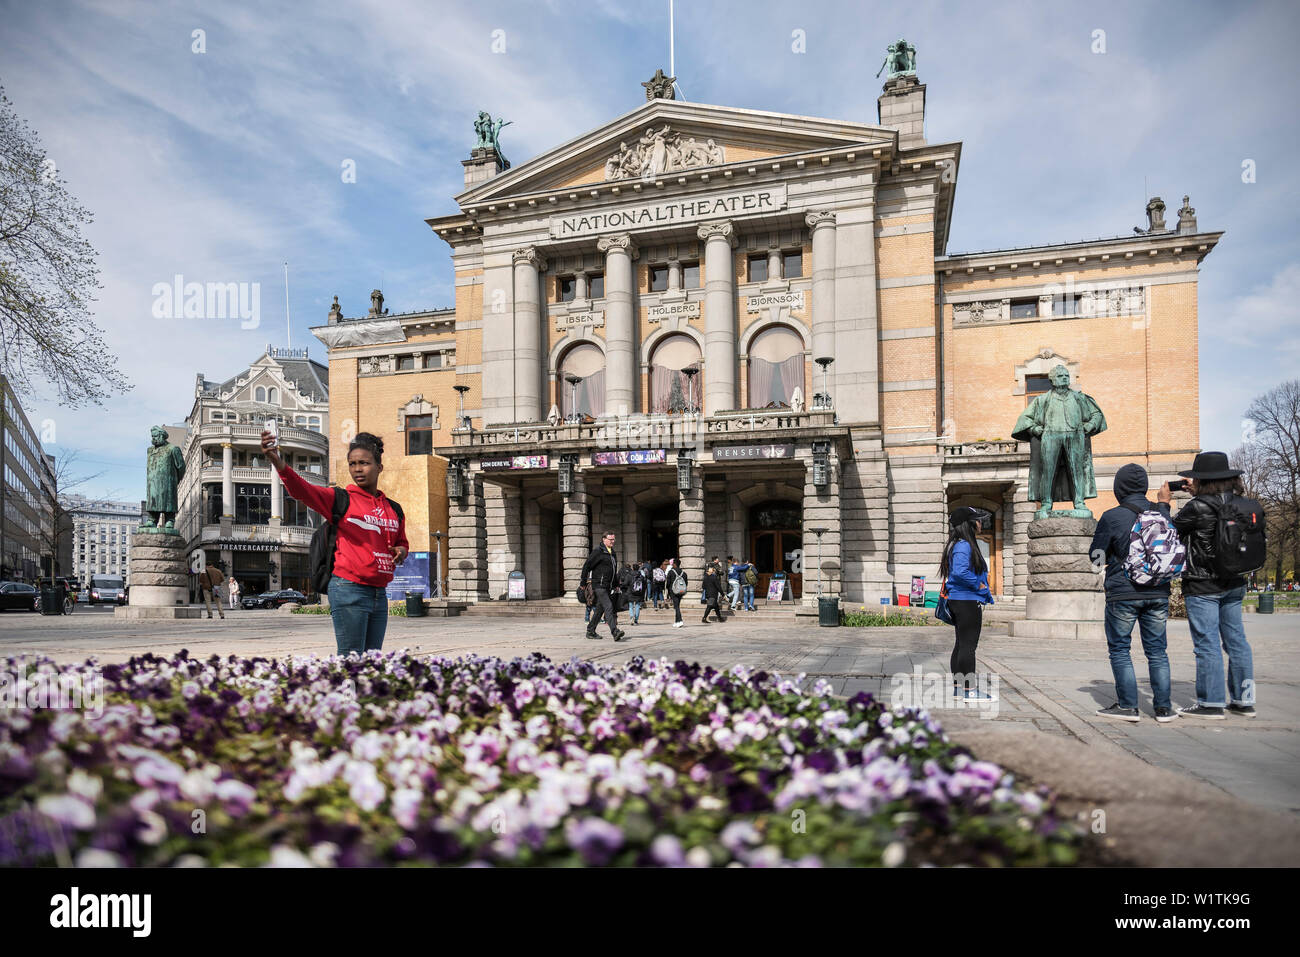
(1195,523)
(601,568)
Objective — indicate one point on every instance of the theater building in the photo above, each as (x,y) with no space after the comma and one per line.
(726,331)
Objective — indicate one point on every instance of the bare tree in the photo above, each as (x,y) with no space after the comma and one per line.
(1274,439)
(48,277)
(1260,483)
(63,510)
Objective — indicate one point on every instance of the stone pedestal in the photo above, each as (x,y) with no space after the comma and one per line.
(1065,599)
(159,579)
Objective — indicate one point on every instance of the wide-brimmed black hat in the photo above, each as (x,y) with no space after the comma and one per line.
(1208,466)
(965,513)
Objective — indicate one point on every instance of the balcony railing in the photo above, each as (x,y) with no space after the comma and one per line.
(285,534)
(252,435)
(653,428)
(973,449)
(213,473)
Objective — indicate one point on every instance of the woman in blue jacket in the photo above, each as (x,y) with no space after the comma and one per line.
(967,583)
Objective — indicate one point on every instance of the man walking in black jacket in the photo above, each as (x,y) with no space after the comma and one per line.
(1128,602)
(601,570)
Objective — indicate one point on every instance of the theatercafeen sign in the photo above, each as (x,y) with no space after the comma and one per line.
(242,545)
(687,210)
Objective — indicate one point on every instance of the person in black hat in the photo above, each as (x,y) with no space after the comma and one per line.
(1213,598)
(966,583)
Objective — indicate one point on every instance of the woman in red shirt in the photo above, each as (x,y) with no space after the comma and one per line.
(371,542)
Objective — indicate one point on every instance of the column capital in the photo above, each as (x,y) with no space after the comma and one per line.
(531,255)
(723,230)
(620,241)
(820,217)
(226,445)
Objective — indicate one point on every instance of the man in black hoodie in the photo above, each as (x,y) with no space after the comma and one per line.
(1128,602)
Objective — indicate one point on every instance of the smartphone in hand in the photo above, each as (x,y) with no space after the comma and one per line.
(273,426)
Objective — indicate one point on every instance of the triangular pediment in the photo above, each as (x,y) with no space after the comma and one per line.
(664,138)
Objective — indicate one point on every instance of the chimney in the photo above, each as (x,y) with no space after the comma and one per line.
(1156,216)
(902,107)
(1187,217)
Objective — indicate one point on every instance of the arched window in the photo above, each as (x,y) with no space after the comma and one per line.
(273,395)
(775,367)
(587,362)
(259,394)
(670,389)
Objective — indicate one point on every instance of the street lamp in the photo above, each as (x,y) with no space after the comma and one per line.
(573,381)
(819,532)
(690,372)
(460,416)
(437,564)
(825,363)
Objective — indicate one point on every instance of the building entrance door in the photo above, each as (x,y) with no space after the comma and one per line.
(776,545)
(659,536)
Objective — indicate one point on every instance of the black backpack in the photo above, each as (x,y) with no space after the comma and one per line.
(324,541)
(1239,542)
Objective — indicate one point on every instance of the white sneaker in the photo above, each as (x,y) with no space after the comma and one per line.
(678,624)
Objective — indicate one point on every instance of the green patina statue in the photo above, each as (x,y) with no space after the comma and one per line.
(488,132)
(900,59)
(163,474)
(1059,426)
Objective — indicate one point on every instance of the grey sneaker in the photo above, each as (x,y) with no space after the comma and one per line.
(1122,714)
(1242,710)
(1165,715)
(1200,711)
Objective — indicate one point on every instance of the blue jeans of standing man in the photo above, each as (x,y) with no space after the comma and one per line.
(733,592)
(634,609)
(360,614)
(747,592)
(1150,614)
(1216,620)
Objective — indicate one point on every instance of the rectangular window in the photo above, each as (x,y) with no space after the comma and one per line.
(1036,385)
(1065,306)
(433,360)
(792,264)
(405,362)
(567,287)
(758,268)
(1024,308)
(596,285)
(658,278)
(690,275)
(419,434)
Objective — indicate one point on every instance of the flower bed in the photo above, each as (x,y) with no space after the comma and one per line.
(393,759)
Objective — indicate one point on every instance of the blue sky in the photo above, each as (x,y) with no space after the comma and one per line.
(222,165)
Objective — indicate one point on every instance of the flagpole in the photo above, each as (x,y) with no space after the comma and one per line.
(672,52)
(288,332)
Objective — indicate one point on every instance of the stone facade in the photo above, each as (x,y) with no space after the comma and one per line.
(676,317)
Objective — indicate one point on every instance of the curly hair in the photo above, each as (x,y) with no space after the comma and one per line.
(368,442)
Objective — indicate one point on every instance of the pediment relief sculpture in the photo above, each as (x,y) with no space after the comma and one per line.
(661,151)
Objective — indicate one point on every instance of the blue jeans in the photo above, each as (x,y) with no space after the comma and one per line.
(733,592)
(1215,620)
(360,614)
(1150,615)
(634,609)
(747,593)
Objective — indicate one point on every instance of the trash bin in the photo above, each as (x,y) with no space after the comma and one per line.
(415,604)
(1265,603)
(51,601)
(828,610)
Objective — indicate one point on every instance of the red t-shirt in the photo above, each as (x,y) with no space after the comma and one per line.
(369,529)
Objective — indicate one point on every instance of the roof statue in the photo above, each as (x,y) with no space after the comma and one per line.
(488,132)
(900,59)
(660,87)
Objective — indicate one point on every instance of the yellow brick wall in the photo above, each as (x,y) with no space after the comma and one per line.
(907,307)
(908,255)
(903,360)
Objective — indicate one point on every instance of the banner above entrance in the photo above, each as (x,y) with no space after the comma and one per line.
(775,451)
(515,462)
(688,210)
(630,457)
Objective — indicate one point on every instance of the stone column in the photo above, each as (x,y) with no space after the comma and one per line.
(1065,598)
(534,569)
(227,480)
(719,318)
(674,276)
(577,535)
(502,518)
(580,285)
(620,324)
(773,265)
(690,531)
(629,547)
(467,558)
(159,579)
(528,335)
(822,225)
(821,509)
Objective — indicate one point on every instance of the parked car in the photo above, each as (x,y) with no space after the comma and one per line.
(273,599)
(108,589)
(19,595)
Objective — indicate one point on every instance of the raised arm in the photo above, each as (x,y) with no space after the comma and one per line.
(319,498)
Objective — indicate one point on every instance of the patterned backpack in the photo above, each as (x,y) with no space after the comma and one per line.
(1155,555)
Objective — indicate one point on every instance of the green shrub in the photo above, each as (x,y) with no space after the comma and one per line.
(865,619)
(310,610)
(397,608)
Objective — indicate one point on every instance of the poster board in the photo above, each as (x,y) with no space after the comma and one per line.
(412,574)
(515,587)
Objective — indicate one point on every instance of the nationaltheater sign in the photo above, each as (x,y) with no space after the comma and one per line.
(649,215)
